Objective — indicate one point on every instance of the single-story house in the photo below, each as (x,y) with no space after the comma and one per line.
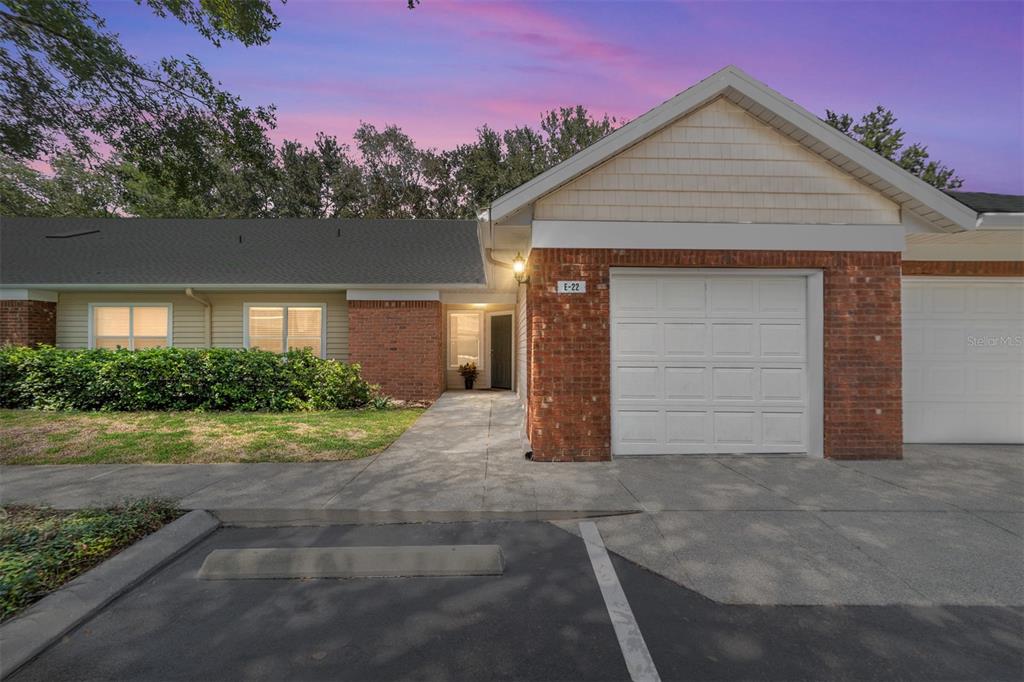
(724,274)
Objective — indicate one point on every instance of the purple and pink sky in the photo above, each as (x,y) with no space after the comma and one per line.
(952,71)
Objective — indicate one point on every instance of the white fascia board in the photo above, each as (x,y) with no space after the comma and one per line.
(696,96)
(392,295)
(240,287)
(1001,221)
(611,234)
(7,294)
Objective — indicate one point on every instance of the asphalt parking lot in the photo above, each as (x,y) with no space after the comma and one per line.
(544,619)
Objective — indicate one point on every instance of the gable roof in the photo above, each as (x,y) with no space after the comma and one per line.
(910,192)
(986,202)
(188,252)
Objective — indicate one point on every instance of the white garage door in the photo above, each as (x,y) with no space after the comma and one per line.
(963,360)
(708,364)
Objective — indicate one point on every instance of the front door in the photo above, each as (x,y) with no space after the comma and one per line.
(501,351)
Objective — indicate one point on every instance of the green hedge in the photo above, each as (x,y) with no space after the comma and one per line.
(177,379)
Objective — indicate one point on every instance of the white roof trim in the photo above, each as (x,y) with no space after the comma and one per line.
(713,86)
(1001,221)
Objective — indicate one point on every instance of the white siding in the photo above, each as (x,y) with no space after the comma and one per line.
(188,325)
(521,341)
(718,164)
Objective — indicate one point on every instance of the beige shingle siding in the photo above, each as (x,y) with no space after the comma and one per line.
(188,325)
(718,164)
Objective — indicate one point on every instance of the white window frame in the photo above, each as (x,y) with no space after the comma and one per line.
(284,327)
(481,363)
(131,319)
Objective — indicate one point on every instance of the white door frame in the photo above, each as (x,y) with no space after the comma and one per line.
(815,336)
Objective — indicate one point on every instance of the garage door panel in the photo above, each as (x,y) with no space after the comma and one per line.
(635,296)
(913,301)
(783,384)
(782,428)
(638,383)
(994,382)
(734,383)
(949,299)
(641,427)
(993,300)
(681,297)
(946,340)
(733,340)
(735,428)
(698,374)
(686,383)
(782,297)
(963,370)
(690,427)
(947,382)
(783,340)
(731,297)
(685,339)
(637,339)
(913,339)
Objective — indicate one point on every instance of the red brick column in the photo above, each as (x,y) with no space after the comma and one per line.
(569,405)
(400,345)
(27,323)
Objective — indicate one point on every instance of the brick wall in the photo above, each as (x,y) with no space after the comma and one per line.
(569,406)
(400,346)
(964,268)
(26,323)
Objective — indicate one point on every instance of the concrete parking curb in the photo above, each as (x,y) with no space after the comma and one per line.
(44,623)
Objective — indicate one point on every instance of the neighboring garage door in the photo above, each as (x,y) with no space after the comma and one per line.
(708,363)
(963,360)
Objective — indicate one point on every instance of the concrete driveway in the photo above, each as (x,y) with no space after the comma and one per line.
(943,526)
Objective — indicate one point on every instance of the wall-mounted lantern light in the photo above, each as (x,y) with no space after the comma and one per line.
(519,269)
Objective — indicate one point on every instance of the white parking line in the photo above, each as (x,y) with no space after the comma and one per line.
(634,649)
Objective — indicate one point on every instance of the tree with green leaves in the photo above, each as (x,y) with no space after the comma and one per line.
(877,131)
(73,188)
(65,81)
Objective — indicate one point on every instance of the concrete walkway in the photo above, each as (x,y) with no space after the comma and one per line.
(943,526)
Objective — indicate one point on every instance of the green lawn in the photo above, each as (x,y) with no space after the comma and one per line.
(41,549)
(35,437)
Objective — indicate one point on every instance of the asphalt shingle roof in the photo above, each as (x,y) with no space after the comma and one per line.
(269,251)
(985,202)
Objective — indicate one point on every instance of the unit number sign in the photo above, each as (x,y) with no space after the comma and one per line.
(572,286)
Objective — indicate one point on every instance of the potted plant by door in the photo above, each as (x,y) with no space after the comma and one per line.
(469,374)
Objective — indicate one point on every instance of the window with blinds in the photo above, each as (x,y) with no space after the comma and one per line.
(130,326)
(277,328)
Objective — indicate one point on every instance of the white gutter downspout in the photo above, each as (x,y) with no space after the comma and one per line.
(207,315)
